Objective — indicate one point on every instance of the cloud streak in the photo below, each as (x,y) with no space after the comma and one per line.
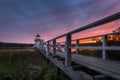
(54,17)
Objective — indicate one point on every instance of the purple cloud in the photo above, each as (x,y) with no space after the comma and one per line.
(22,19)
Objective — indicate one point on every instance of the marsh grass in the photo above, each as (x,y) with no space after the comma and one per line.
(18,65)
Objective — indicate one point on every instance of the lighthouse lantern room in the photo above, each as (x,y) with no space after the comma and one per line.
(37,41)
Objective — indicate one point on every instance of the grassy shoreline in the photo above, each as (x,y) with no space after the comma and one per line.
(24,65)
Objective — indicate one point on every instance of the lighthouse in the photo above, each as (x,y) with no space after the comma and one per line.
(37,41)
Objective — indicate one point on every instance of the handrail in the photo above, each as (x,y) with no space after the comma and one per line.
(96,36)
(92,25)
(99,22)
(68,46)
(92,37)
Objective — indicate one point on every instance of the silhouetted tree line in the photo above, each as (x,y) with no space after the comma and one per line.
(112,39)
(4,45)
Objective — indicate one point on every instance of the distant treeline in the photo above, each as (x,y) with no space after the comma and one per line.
(5,45)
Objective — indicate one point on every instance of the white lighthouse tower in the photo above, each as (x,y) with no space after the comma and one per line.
(37,41)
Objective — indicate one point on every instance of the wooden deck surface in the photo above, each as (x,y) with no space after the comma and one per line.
(107,67)
(74,75)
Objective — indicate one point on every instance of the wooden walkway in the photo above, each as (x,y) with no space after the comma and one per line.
(73,74)
(103,67)
(107,67)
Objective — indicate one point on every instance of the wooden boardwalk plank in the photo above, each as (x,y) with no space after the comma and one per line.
(107,67)
(74,75)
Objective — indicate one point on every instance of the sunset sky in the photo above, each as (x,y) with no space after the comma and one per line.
(21,20)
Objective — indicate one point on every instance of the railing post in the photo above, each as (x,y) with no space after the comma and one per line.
(54,47)
(47,47)
(77,44)
(104,54)
(42,46)
(68,50)
(57,72)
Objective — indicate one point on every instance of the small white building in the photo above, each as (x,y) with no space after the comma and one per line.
(38,41)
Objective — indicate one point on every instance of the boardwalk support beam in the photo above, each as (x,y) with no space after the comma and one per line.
(77,44)
(47,46)
(54,47)
(104,53)
(57,72)
(68,50)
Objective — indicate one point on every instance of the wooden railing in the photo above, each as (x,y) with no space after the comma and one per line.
(53,45)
